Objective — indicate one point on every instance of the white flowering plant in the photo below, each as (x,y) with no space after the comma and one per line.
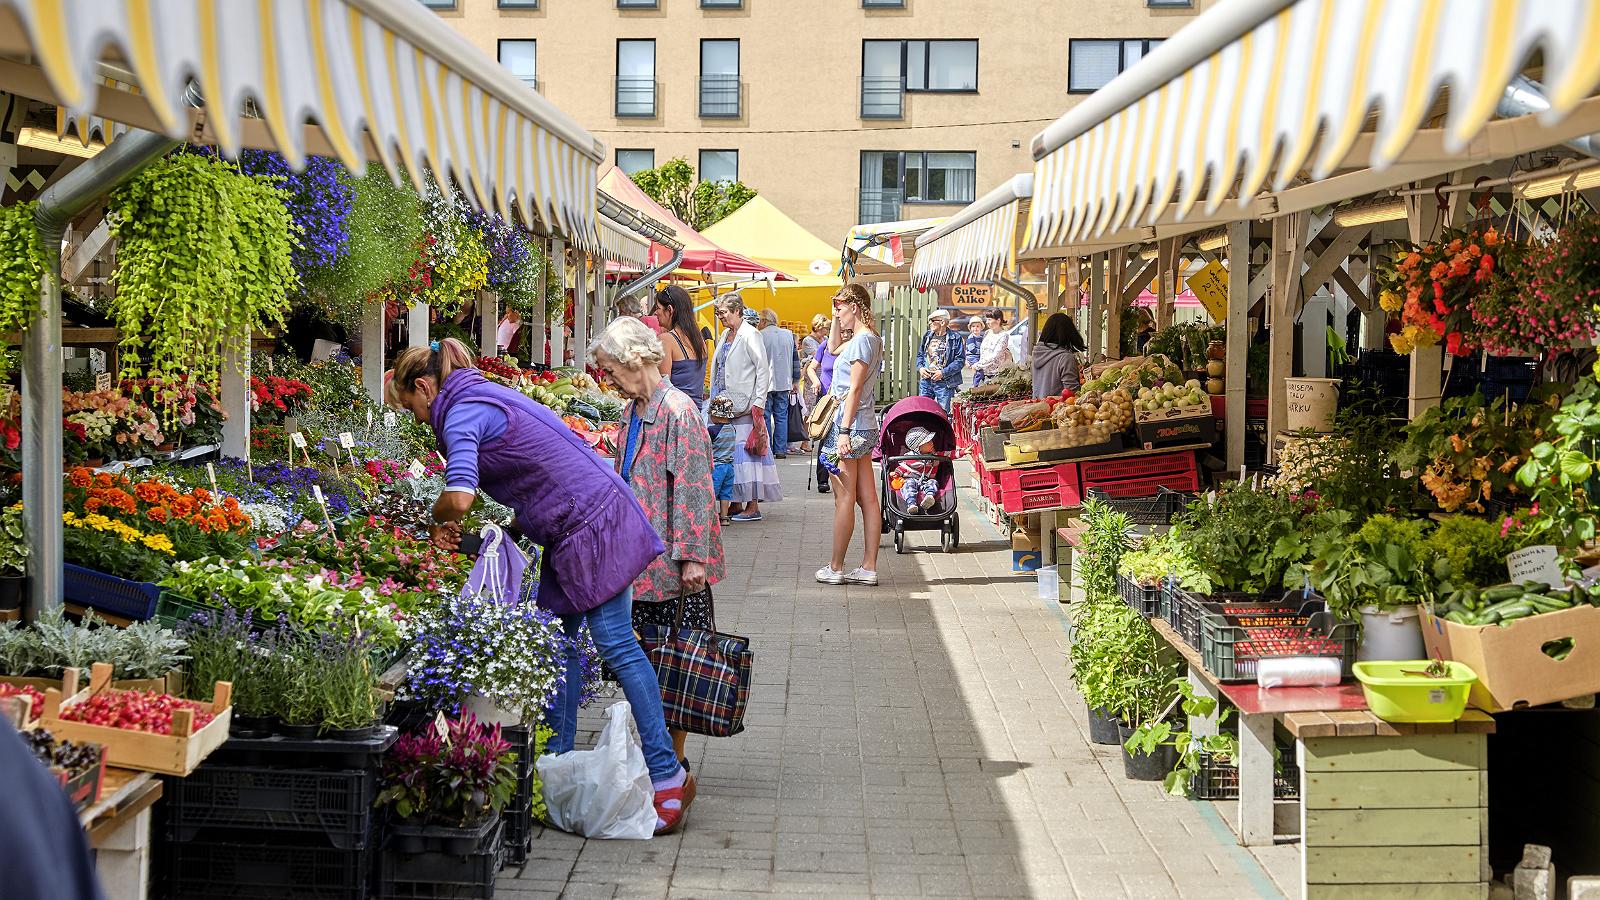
(470,645)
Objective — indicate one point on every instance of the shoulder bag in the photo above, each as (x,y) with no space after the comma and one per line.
(704,675)
(820,419)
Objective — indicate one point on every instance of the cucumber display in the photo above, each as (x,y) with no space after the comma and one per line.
(1501,604)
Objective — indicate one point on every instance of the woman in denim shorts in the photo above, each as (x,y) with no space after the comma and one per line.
(847,449)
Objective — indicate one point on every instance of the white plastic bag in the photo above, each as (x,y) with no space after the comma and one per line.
(604,792)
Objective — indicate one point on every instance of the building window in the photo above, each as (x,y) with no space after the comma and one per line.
(721,4)
(439,4)
(636,79)
(891,177)
(636,4)
(631,161)
(1169,4)
(520,56)
(1091,64)
(932,66)
(719,79)
(883,4)
(517,4)
(719,165)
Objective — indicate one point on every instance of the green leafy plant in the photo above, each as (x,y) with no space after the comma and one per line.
(1244,540)
(1558,474)
(53,643)
(699,204)
(1119,663)
(1154,734)
(1105,540)
(1466,450)
(203,260)
(1386,563)
(1350,468)
(13,541)
(1162,555)
(1468,552)
(22,266)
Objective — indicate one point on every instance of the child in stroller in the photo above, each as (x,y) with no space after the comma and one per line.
(916,481)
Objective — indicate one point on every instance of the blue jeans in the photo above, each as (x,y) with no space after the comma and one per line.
(941,391)
(611,625)
(778,421)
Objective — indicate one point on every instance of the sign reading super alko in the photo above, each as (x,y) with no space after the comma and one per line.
(972,295)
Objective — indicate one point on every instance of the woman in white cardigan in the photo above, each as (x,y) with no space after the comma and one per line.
(739,371)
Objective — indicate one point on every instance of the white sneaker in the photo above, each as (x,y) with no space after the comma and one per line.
(830,575)
(859,575)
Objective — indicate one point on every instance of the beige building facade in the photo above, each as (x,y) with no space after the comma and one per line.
(838,111)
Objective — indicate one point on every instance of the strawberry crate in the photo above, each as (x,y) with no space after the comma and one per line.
(1231,650)
(1041,487)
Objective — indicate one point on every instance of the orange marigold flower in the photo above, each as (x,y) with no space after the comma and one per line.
(182,507)
(147,492)
(93,504)
(103,480)
(156,514)
(81,477)
(201,494)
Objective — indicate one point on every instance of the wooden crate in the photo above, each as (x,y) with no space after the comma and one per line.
(169,754)
(1382,815)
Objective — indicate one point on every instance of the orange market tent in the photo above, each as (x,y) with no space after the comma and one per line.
(762,231)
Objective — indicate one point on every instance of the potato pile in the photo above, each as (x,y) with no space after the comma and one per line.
(1095,416)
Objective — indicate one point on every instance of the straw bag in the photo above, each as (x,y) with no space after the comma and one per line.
(820,418)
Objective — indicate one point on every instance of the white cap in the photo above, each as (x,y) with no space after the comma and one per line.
(916,437)
(939,314)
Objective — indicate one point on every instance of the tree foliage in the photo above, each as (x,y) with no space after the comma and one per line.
(701,204)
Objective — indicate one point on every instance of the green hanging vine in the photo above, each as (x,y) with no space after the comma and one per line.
(203,260)
(21,271)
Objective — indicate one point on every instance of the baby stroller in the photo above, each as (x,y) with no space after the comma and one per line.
(898,421)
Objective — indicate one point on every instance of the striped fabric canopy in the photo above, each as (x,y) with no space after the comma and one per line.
(379,76)
(976,244)
(1254,93)
(620,244)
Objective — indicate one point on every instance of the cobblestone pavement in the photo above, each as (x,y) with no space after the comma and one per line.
(919,738)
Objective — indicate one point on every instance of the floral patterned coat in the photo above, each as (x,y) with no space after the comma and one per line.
(672,479)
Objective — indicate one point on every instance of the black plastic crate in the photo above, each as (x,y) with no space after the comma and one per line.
(1146,601)
(1183,609)
(433,875)
(335,804)
(239,870)
(517,836)
(1157,510)
(279,752)
(1218,778)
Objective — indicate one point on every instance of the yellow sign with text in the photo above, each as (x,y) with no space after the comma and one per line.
(1210,286)
(967,295)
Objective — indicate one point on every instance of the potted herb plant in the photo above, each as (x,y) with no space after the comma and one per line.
(1378,573)
(13,557)
(225,645)
(446,785)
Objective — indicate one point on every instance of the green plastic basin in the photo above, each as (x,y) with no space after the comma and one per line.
(1396,696)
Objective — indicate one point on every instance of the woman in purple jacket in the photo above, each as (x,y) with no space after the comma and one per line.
(596,539)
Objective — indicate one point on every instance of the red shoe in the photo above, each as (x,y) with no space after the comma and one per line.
(674,817)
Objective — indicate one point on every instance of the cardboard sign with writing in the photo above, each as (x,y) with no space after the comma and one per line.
(347,440)
(1537,563)
(102,382)
(1210,286)
(416,469)
(389,420)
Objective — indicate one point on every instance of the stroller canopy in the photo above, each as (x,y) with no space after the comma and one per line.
(914,412)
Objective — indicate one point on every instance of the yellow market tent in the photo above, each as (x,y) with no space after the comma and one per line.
(762,232)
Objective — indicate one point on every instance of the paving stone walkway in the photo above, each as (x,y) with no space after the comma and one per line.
(919,738)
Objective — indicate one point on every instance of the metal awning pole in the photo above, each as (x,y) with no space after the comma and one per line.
(41,356)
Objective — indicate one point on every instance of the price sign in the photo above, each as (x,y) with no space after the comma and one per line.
(316,491)
(1210,287)
(417,469)
(347,440)
(389,420)
(102,382)
(211,473)
(369,418)
(297,439)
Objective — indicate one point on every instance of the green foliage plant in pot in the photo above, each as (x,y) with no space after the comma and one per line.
(448,782)
(13,557)
(1184,746)
(203,261)
(1560,472)
(1378,573)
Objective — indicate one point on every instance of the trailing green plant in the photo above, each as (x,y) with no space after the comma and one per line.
(203,260)
(1157,733)
(22,268)
(1560,470)
(1244,539)
(541,738)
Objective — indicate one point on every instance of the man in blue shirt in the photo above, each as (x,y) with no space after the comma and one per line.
(940,357)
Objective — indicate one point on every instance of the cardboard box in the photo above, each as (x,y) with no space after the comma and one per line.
(1513,671)
(1025,539)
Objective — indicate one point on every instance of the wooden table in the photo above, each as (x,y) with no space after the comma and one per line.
(119,831)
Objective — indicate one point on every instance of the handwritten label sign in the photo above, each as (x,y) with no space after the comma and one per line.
(347,440)
(102,382)
(1538,563)
(1210,286)
(389,420)
(211,473)
(417,469)
(297,439)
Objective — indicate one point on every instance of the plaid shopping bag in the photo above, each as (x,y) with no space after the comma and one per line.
(704,675)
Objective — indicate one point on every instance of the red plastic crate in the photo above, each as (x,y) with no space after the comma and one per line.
(1142,476)
(1043,487)
(1146,487)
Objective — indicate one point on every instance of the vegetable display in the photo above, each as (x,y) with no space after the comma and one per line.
(134,711)
(1502,604)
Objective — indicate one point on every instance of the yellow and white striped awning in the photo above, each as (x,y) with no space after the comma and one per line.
(619,244)
(1254,93)
(384,77)
(976,244)
(881,250)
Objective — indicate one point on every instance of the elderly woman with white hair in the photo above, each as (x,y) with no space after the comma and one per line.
(740,373)
(666,460)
